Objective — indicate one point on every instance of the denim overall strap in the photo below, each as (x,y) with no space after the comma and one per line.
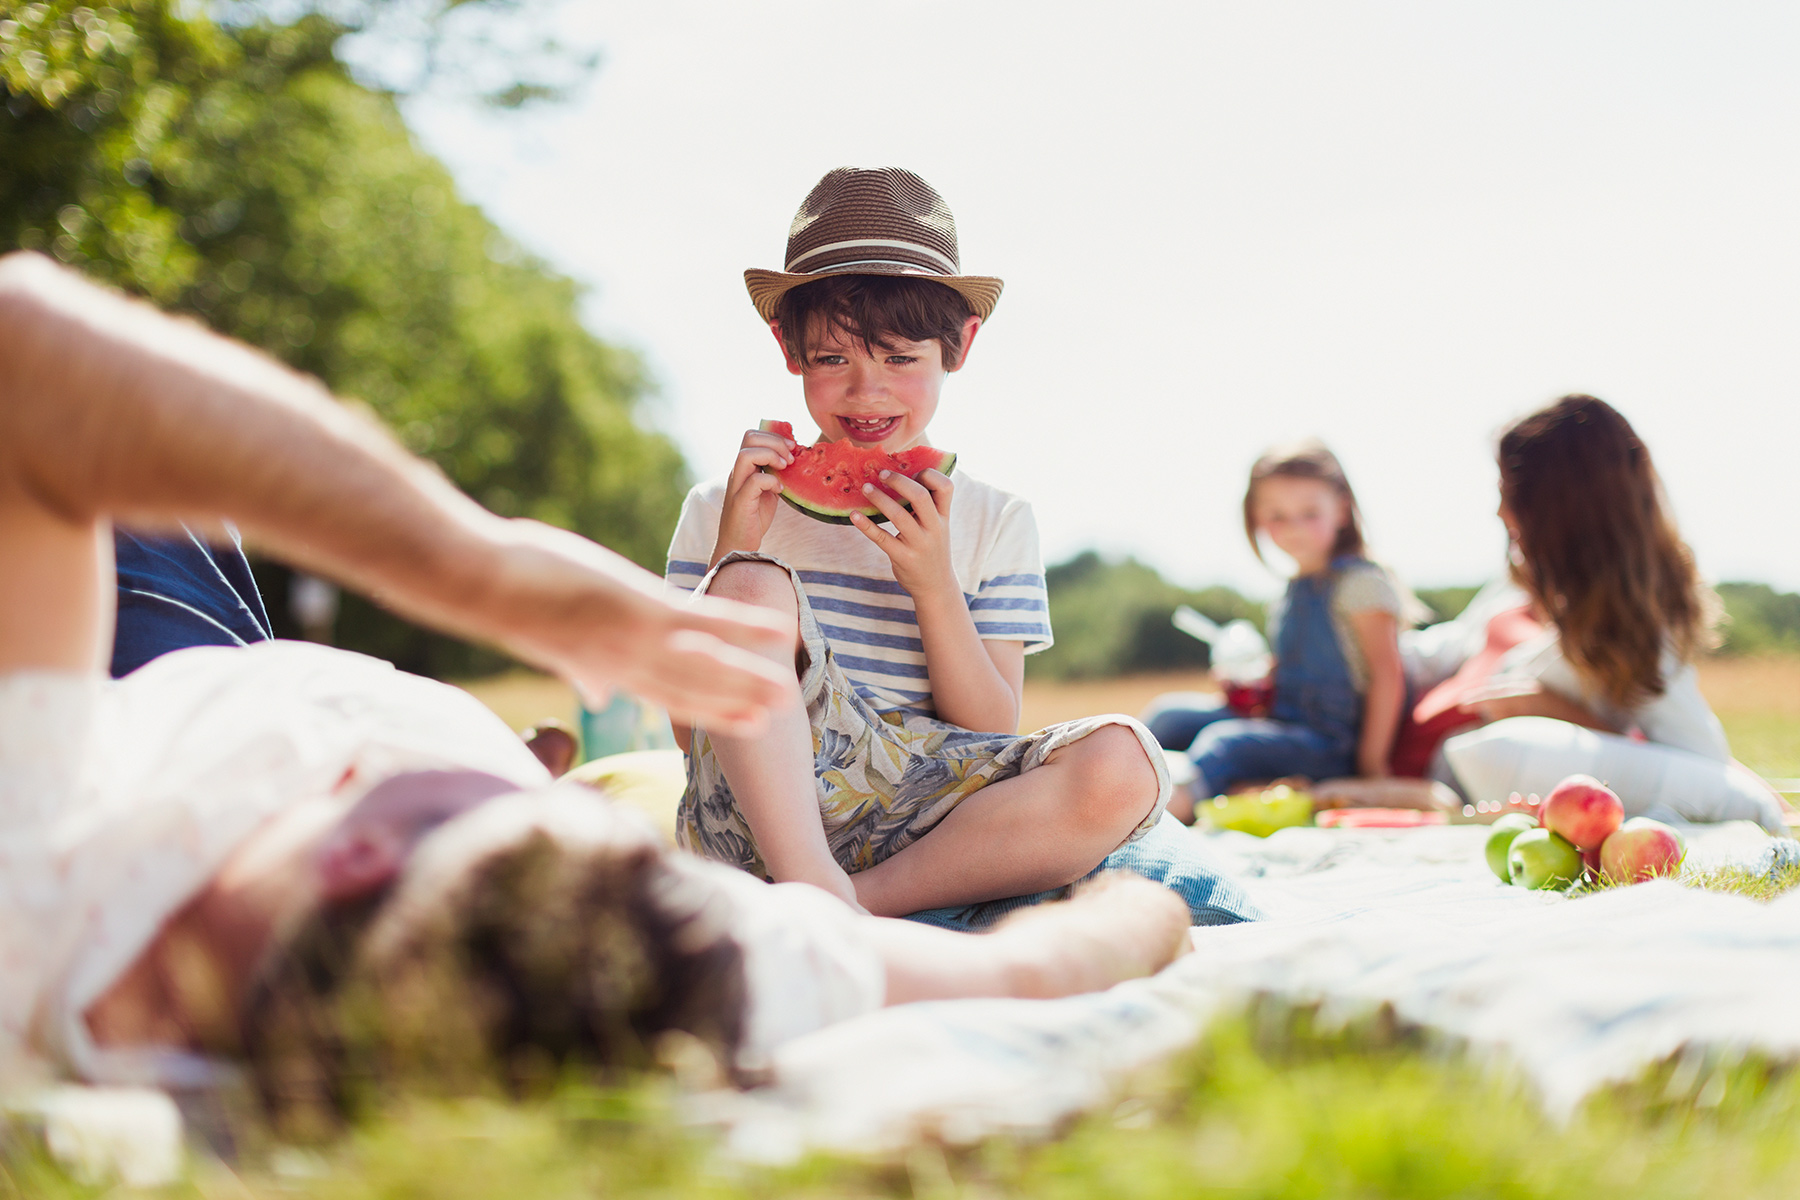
(1312,679)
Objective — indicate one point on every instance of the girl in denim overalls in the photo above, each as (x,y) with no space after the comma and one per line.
(1338,685)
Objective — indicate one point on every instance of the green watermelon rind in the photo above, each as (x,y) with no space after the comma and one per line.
(841,516)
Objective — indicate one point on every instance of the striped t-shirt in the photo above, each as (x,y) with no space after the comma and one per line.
(866,615)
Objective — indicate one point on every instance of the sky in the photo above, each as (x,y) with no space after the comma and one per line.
(1221,226)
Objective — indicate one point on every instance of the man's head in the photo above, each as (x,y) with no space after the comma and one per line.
(529,933)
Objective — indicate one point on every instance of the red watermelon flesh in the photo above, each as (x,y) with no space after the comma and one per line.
(825,480)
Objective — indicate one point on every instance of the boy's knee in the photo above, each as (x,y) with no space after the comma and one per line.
(762,584)
(1115,776)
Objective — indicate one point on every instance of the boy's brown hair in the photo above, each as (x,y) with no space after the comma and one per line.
(874,311)
(1598,549)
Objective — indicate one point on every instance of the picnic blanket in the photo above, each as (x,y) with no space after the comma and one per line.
(1573,992)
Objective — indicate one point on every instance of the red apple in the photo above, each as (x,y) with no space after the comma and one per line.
(1641,849)
(1584,810)
(1590,863)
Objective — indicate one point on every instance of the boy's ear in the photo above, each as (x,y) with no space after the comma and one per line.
(358,865)
(970,328)
(793,367)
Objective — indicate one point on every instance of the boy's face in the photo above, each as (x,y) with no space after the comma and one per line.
(882,397)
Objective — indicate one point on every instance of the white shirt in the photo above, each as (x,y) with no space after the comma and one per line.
(1680,717)
(120,800)
(867,616)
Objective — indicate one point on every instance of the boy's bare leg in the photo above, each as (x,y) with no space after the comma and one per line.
(771,774)
(1043,829)
(1121,928)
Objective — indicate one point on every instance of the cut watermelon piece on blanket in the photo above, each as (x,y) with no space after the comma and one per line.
(825,480)
(1378,818)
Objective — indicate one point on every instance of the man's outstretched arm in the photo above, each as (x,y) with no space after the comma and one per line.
(111,409)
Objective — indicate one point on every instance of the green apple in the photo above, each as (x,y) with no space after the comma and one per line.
(1500,839)
(1541,859)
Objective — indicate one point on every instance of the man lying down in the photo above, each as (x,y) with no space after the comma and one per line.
(306,859)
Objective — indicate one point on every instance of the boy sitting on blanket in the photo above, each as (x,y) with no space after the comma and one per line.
(892,775)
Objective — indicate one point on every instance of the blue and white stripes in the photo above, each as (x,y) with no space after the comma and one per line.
(869,617)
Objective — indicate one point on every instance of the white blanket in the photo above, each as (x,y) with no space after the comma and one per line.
(1575,993)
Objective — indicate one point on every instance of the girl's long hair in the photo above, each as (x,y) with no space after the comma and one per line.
(1598,549)
(1306,460)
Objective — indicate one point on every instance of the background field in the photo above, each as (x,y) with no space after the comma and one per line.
(1758,699)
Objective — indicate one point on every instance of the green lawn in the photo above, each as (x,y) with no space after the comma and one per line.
(1267,1105)
(1767,742)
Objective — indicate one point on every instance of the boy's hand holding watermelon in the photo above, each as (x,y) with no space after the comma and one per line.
(752,494)
(919,547)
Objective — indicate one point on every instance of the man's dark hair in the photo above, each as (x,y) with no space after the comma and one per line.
(874,311)
(544,958)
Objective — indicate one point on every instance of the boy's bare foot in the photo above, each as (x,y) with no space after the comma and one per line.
(1119,927)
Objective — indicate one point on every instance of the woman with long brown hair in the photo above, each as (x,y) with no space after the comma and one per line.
(1596,549)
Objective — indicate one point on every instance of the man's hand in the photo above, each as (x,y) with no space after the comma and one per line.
(111,409)
(752,494)
(601,622)
(919,547)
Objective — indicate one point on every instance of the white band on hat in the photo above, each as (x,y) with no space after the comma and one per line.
(912,267)
(945,261)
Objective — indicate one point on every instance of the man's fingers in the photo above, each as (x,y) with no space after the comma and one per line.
(713,683)
(743,625)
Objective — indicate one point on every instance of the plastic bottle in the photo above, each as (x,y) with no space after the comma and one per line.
(1241,661)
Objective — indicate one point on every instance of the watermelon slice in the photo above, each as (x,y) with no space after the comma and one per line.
(825,480)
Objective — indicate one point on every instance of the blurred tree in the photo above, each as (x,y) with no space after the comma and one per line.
(238,173)
(1759,619)
(1446,602)
(1113,618)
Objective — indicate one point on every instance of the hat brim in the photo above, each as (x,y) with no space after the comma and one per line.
(767,287)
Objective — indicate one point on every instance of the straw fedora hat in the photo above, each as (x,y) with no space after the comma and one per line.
(871,221)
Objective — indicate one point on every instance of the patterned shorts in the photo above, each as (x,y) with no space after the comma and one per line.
(884,779)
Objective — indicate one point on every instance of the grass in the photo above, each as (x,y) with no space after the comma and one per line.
(1269,1104)
(1757,699)
(1741,882)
